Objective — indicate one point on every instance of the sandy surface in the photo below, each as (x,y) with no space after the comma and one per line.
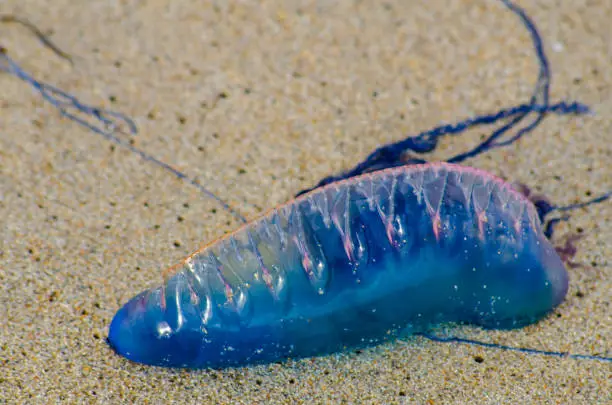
(258,100)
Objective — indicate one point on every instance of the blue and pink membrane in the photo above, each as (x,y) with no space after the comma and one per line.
(349,265)
(392,247)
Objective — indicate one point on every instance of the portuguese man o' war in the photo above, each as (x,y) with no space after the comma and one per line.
(327,271)
(349,265)
(394,246)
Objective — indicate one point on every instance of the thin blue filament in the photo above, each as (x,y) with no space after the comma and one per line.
(550,353)
(106,123)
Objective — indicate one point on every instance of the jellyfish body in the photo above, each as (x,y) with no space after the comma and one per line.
(350,265)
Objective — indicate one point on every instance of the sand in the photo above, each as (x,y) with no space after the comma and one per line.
(258,100)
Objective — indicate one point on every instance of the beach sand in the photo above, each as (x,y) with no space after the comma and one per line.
(258,100)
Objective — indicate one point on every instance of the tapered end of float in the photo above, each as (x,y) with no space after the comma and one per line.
(144,332)
(127,334)
(139,331)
